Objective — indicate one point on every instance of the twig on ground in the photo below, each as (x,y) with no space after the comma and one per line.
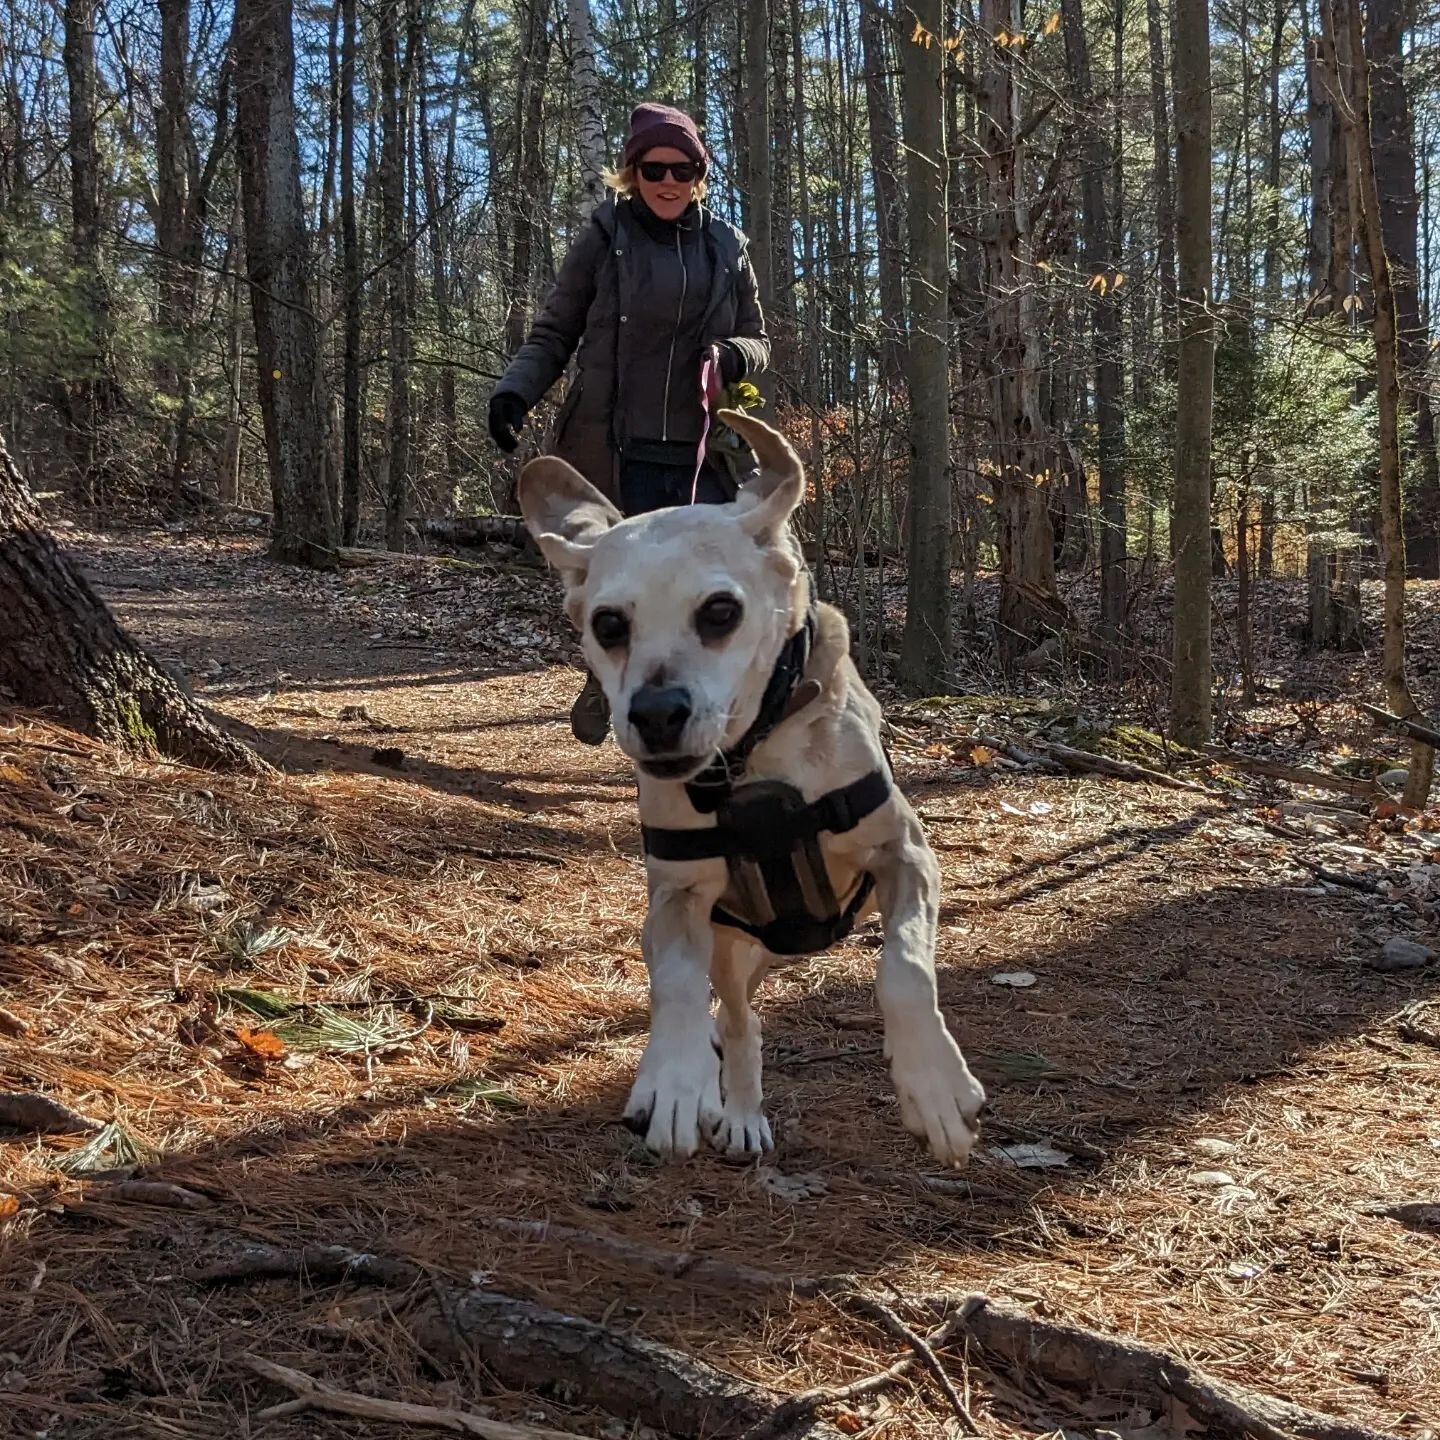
(318,1395)
(800,1407)
(868,1306)
(151,1192)
(486,852)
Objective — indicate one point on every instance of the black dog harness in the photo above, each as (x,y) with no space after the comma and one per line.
(768,836)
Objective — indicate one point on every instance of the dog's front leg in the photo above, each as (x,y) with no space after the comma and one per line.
(676,1095)
(940,1099)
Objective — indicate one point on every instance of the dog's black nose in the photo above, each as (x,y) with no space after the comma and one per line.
(659,713)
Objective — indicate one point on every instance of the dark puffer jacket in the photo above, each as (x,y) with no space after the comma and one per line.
(641,298)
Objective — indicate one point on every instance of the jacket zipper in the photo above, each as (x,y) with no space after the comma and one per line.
(675,334)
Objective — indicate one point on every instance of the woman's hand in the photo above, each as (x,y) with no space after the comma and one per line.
(507,415)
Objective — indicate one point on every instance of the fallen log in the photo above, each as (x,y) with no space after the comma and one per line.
(1085,762)
(1295,774)
(1413,728)
(477,530)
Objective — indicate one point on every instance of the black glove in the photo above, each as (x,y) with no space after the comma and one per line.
(507,415)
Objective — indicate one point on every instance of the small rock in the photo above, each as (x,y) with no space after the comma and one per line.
(1031,1156)
(1393,779)
(1398,953)
(1212,1179)
(791,1188)
(1015,979)
(1210,1148)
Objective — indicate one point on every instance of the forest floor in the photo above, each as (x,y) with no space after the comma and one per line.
(1242,1102)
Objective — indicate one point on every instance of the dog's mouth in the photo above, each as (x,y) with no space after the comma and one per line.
(672,767)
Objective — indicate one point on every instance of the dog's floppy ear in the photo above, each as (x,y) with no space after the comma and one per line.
(564,512)
(768,501)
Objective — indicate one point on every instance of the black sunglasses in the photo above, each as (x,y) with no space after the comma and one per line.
(685,172)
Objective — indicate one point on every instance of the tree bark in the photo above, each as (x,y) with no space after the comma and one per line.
(1190,716)
(926,643)
(760,170)
(278,264)
(1164,186)
(62,652)
(1102,263)
(350,270)
(885,170)
(392,204)
(1022,466)
(1393,138)
(1387,385)
(589,115)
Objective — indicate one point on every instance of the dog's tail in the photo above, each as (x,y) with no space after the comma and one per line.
(774,452)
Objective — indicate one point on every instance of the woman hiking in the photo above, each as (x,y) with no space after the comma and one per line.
(658,296)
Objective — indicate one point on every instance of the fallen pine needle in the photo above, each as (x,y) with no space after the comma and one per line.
(312,1394)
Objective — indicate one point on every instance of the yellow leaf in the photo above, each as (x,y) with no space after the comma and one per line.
(1002,37)
(274,374)
(1351,301)
(917,33)
(1118,281)
(1053,23)
(1098,283)
(1045,265)
(981,754)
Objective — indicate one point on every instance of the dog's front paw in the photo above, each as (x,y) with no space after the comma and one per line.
(742,1134)
(940,1099)
(675,1102)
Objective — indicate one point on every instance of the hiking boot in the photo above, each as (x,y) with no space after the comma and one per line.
(590,714)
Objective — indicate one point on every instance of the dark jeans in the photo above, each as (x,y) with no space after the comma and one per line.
(646,485)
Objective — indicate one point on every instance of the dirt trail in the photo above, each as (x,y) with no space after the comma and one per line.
(1196,1009)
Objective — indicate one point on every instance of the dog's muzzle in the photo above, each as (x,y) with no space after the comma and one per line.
(659,715)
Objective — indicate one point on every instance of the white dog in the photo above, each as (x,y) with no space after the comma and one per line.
(723,678)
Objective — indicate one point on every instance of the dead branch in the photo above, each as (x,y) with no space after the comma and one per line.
(318,1395)
(1413,728)
(534,1348)
(25,1110)
(1070,1355)
(1084,762)
(871,1308)
(1295,774)
(802,1406)
(151,1192)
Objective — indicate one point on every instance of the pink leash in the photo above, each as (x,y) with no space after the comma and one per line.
(707,367)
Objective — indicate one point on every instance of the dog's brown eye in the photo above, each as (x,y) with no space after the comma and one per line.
(718,617)
(610,628)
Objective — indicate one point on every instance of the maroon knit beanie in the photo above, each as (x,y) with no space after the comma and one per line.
(652,126)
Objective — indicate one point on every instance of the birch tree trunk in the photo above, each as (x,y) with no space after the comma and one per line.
(589,117)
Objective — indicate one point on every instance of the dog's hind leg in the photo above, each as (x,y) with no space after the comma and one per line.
(940,1099)
(736,970)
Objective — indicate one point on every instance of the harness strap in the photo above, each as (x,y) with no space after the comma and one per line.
(836,812)
(789,937)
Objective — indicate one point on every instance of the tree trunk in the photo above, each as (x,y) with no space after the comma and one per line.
(1394,151)
(1190,717)
(1102,263)
(350,269)
(1164,187)
(1387,385)
(1023,463)
(759,170)
(277,265)
(925,646)
(62,652)
(884,160)
(589,115)
(392,204)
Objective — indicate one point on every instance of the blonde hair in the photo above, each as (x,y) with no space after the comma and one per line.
(625,182)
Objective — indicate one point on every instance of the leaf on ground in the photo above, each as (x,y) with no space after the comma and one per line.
(1015,979)
(981,754)
(9,1205)
(264,1044)
(791,1188)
